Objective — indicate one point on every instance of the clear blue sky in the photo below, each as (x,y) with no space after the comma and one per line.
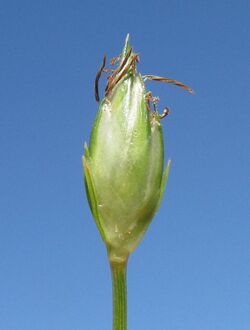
(191,271)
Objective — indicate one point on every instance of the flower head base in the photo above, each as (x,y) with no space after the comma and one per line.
(124,163)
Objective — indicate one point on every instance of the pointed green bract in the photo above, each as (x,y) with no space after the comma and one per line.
(91,193)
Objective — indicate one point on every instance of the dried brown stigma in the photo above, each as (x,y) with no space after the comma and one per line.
(112,78)
(98,75)
(168,80)
(121,71)
(115,59)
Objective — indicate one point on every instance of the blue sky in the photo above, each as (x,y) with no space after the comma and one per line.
(191,271)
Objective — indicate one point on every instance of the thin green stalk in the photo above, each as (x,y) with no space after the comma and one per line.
(118,270)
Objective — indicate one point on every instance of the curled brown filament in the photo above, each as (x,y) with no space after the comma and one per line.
(117,74)
(121,74)
(168,80)
(98,75)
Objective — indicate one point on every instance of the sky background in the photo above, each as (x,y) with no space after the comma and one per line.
(191,271)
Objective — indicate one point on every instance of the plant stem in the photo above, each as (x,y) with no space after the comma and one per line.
(118,270)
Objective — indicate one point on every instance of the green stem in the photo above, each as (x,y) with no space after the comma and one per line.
(118,270)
